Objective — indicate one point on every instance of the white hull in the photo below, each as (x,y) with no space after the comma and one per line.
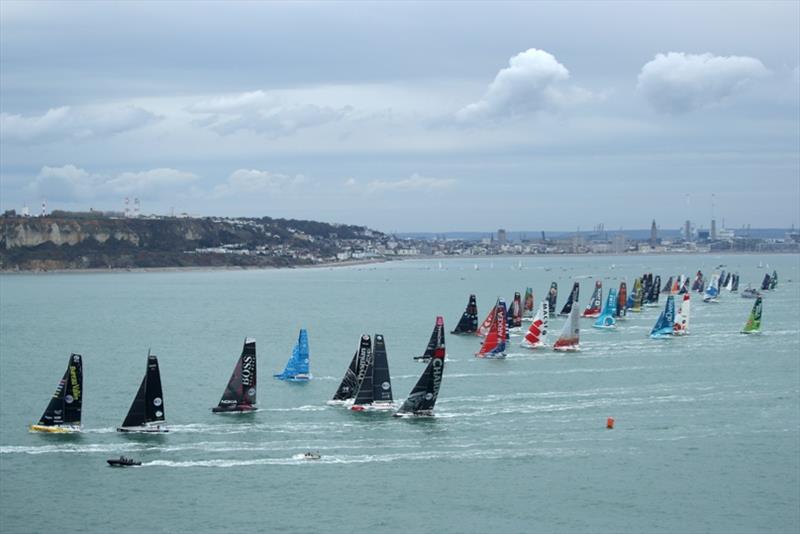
(526,345)
(374,407)
(144,429)
(573,348)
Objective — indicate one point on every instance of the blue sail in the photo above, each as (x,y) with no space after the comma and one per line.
(606,318)
(297,366)
(712,291)
(664,325)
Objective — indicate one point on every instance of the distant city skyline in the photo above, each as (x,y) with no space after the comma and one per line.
(407,117)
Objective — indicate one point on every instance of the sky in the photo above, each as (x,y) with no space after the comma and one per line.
(407,117)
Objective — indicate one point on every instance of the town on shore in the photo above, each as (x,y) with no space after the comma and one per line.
(107,240)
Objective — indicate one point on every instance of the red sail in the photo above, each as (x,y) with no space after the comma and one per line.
(596,302)
(495,341)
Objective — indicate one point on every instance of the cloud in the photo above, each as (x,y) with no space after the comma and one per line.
(414,183)
(73,123)
(71,183)
(262,113)
(677,82)
(252,181)
(530,83)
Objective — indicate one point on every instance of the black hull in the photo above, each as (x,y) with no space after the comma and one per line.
(118,463)
(142,430)
(238,409)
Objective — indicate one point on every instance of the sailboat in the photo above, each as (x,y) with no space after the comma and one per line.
(665,323)
(527,305)
(483,329)
(63,413)
(595,302)
(494,344)
(651,298)
(347,387)
(681,325)
(240,393)
(297,367)
(753,324)
(147,410)
(635,299)
(569,339)
(735,283)
(765,284)
(697,285)
(468,323)
(536,336)
(514,317)
(773,281)
(750,293)
(552,296)
(573,298)
(422,398)
(667,289)
(607,318)
(375,386)
(712,291)
(435,343)
(622,301)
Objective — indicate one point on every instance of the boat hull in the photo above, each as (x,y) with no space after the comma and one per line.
(117,463)
(374,407)
(142,429)
(54,429)
(238,409)
(420,413)
(567,348)
(532,346)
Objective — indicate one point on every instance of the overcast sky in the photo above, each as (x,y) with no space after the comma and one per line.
(407,116)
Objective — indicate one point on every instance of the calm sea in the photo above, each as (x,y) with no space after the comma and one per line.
(706,436)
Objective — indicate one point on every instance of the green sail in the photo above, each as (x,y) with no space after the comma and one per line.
(753,324)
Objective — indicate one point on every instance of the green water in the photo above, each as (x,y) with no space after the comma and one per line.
(706,436)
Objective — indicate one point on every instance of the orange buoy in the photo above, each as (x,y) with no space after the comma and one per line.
(610,423)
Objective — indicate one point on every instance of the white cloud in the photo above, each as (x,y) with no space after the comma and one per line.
(253,181)
(414,183)
(530,83)
(73,123)
(677,82)
(71,183)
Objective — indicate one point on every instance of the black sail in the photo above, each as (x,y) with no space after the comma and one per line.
(422,398)
(347,387)
(765,283)
(381,381)
(364,392)
(667,286)
(65,405)
(240,393)
(469,319)
(572,299)
(148,404)
(436,340)
(552,295)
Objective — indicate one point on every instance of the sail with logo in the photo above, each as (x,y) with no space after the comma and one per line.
(527,305)
(297,367)
(636,297)
(593,308)
(514,317)
(622,301)
(468,323)
(536,336)
(63,412)
(571,300)
(435,342)
(552,295)
(681,326)
(349,384)
(240,393)
(483,329)
(422,398)
(712,291)
(652,294)
(494,344)
(147,410)
(753,324)
(607,318)
(375,385)
(665,324)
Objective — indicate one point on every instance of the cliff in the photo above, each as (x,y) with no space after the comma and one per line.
(65,241)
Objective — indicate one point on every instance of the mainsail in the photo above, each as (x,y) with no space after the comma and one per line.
(735,283)
(435,343)
(773,281)
(297,367)
(667,289)
(622,301)
(665,322)
(753,324)
(536,336)
(494,344)
(240,393)
(483,329)
(422,398)
(571,300)
(375,387)
(607,319)
(569,338)
(681,325)
(651,297)
(515,311)
(552,295)
(148,404)
(765,284)
(636,298)
(697,285)
(712,291)
(469,319)
(593,308)
(527,304)
(63,412)
(349,384)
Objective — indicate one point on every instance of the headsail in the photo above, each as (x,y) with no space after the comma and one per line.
(148,404)
(552,296)
(422,398)
(665,322)
(595,302)
(527,304)
(681,326)
(297,367)
(569,338)
(536,336)
(753,325)
(607,319)
(240,393)
(571,300)
(63,412)
(469,319)
(494,344)
(349,384)
(435,343)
